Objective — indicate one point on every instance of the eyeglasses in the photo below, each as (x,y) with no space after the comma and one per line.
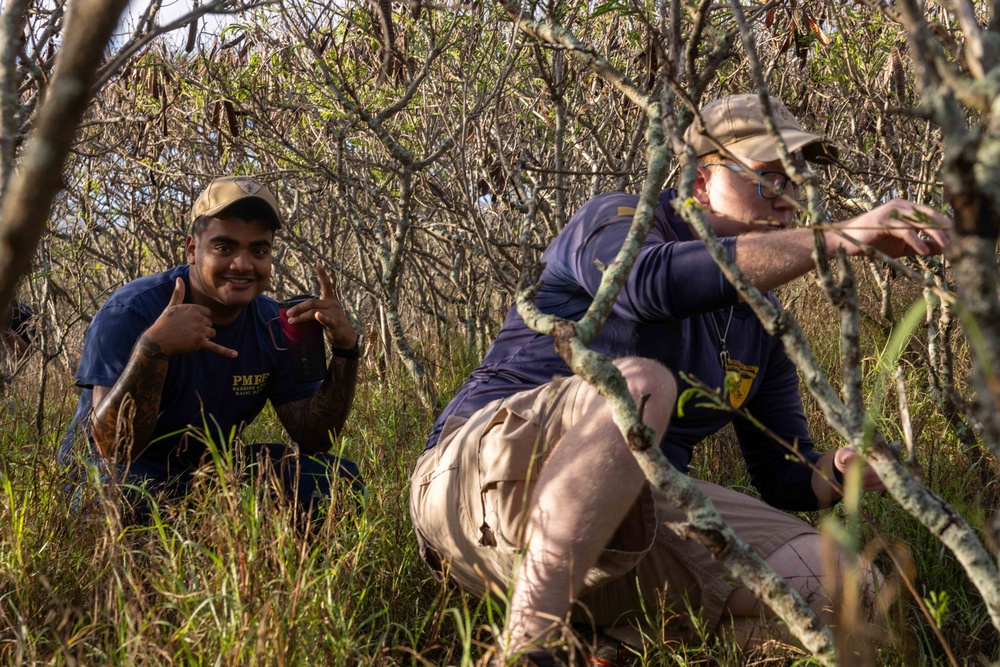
(771,185)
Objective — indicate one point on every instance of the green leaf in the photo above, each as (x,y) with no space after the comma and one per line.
(686,396)
(729,382)
(886,362)
(612,6)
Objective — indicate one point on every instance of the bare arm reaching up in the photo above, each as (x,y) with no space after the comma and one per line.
(313,422)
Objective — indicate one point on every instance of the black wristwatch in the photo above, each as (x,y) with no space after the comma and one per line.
(352,353)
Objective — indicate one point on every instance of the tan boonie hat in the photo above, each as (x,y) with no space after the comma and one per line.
(226,191)
(737,122)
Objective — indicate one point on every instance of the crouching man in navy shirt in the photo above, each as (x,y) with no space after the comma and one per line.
(176,358)
(527,485)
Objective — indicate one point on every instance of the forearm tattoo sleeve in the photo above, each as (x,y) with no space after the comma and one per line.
(123,423)
(314,422)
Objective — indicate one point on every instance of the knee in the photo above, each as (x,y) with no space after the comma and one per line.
(653,387)
(325,469)
(833,583)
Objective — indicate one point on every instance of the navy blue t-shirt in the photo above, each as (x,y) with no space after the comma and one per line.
(202,389)
(663,312)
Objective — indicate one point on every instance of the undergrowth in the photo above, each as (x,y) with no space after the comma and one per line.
(231,576)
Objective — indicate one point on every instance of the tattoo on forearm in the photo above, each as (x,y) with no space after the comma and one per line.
(311,422)
(134,399)
(150,349)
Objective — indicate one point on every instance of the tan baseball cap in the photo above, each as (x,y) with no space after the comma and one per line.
(226,191)
(737,122)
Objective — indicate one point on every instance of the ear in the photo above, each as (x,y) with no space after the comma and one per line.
(190,245)
(701,187)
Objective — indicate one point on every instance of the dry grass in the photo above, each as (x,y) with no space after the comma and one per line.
(226,578)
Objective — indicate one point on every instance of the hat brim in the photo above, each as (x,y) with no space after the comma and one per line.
(761,148)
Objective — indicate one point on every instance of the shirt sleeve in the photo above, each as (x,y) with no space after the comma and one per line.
(108,345)
(670,279)
(284,389)
(777,472)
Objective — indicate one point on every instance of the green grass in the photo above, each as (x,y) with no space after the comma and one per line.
(226,578)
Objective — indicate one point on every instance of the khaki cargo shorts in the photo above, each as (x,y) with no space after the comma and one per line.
(468,499)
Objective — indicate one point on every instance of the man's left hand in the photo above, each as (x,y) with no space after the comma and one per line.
(327,311)
(845,457)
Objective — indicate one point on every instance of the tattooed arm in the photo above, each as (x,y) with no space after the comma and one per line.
(314,422)
(125,414)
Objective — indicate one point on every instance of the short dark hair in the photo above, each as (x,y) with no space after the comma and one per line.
(245,209)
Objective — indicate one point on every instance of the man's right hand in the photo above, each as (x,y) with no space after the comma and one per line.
(182,327)
(899,228)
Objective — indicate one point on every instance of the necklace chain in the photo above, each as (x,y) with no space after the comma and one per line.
(723,350)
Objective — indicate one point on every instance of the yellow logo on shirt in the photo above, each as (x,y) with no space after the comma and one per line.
(745,375)
(249,385)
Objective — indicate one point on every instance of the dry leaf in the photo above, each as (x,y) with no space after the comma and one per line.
(895,77)
(817,32)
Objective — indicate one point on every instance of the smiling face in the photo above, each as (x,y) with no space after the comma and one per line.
(733,202)
(230,262)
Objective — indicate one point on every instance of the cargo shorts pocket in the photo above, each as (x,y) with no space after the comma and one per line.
(511,456)
(441,457)
(518,438)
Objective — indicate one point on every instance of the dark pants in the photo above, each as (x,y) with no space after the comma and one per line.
(307,480)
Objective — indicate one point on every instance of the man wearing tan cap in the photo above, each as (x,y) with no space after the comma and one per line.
(526,484)
(185,357)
